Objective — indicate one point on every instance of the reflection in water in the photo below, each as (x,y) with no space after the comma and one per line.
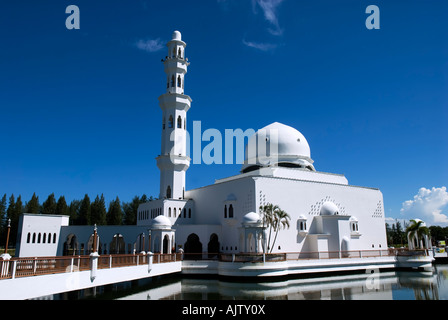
(380,286)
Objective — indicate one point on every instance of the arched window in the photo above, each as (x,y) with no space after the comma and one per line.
(34,237)
(163,123)
(185,212)
(179,122)
(28,237)
(225,211)
(179,82)
(49,237)
(174,52)
(169,212)
(170,122)
(168,82)
(44,238)
(231,211)
(168,192)
(174,212)
(38,237)
(54,237)
(179,53)
(189,213)
(172,81)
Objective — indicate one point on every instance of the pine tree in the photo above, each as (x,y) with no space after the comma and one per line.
(98,211)
(84,211)
(33,205)
(115,214)
(3,218)
(61,206)
(130,209)
(74,211)
(49,205)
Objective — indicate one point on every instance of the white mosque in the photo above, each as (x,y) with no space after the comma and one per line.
(327,214)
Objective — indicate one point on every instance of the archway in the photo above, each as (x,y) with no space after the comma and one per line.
(193,248)
(117,245)
(70,245)
(166,244)
(213,246)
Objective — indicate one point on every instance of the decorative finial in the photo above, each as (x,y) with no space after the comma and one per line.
(9,223)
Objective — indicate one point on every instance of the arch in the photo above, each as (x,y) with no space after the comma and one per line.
(225,211)
(49,237)
(44,238)
(193,248)
(140,243)
(70,245)
(166,244)
(173,81)
(179,53)
(189,213)
(34,237)
(179,122)
(213,246)
(117,245)
(38,237)
(168,192)
(163,123)
(170,122)
(169,212)
(54,237)
(28,237)
(174,52)
(179,82)
(174,210)
(231,211)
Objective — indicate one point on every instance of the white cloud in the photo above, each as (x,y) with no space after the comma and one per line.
(269,8)
(427,205)
(260,45)
(150,45)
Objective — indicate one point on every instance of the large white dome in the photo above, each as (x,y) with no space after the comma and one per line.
(283,146)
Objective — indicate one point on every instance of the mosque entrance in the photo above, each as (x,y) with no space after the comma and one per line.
(193,248)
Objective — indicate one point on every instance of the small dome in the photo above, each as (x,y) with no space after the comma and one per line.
(252,218)
(329,209)
(353,219)
(161,222)
(177,35)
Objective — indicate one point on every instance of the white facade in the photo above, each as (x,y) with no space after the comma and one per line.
(326,213)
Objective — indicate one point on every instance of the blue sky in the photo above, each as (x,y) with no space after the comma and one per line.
(79,110)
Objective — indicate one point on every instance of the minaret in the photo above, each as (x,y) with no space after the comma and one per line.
(173,161)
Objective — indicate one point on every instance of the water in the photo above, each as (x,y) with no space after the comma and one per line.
(391,285)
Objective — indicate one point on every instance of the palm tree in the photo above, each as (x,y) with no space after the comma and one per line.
(417,231)
(268,218)
(281,221)
(276,219)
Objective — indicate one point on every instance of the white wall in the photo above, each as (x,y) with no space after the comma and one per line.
(34,233)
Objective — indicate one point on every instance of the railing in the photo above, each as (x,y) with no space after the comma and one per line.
(26,267)
(292,256)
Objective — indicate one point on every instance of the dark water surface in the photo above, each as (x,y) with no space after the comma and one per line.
(390,285)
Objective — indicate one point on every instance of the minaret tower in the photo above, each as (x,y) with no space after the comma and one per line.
(173,161)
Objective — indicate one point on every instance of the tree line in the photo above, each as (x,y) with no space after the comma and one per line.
(397,237)
(81,212)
